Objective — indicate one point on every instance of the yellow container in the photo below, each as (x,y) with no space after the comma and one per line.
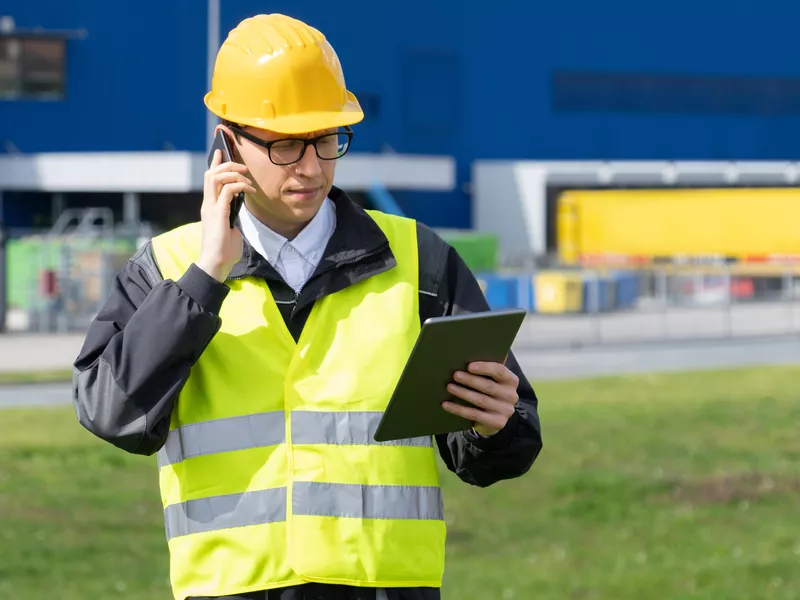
(558,293)
(732,222)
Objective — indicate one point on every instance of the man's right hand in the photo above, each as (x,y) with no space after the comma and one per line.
(222,245)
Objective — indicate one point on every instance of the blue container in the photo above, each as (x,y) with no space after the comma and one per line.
(522,295)
(627,288)
(497,289)
(599,289)
(508,291)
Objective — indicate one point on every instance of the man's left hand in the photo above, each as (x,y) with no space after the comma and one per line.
(492,390)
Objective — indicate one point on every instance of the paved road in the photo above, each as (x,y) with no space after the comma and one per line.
(671,357)
(540,364)
(653,324)
(50,394)
(33,351)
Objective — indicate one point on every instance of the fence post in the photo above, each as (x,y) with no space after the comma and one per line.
(594,303)
(64,284)
(3,279)
(727,315)
(661,292)
(788,293)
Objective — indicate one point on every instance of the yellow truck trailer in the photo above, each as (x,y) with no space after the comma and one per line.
(643,224)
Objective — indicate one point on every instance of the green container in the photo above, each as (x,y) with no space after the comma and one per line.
(28,257)
(478,249)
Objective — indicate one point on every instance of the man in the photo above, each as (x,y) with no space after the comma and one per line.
(256,360)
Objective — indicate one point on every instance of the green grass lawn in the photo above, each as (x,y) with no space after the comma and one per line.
(24,377)
(652,487)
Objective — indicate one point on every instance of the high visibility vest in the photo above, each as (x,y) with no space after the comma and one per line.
(269,476)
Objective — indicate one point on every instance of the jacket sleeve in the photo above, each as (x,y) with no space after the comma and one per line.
(139,350)
(448,287)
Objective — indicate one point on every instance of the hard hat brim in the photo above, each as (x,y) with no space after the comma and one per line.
(301,123)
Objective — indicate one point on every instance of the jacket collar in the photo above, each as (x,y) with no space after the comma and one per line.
(356,235)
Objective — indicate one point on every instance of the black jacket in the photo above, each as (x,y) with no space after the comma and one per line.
(140,348)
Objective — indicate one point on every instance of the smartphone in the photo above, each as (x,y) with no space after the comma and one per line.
(221,143)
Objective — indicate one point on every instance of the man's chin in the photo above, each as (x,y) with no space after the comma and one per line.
(305,209)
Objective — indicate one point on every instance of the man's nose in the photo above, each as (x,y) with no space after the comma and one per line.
(309,165)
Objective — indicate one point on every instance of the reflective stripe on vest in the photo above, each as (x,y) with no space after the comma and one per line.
(308,498)
(268,429)
(270,476)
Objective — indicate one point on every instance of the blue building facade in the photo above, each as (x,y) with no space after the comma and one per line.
(574,79)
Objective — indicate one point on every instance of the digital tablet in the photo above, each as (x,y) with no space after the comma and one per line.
(445,345)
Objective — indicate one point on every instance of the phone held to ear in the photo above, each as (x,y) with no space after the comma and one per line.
(221,143)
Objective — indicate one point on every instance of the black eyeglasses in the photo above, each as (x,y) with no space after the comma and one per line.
(290,150)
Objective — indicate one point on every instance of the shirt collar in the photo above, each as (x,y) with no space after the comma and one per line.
(310,242)
(314,237)
(355,234)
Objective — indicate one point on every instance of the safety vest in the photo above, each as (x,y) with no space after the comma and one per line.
(270,475)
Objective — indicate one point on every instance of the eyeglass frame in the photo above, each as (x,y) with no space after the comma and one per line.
(306,143)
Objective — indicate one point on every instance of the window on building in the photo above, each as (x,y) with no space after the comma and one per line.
(675,93)
(32,68)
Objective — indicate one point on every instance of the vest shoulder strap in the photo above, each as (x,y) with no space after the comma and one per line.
(398,230)
(175,250)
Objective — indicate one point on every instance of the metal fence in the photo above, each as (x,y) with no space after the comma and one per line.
(676,303)
(63,288)
(61,284)
(57,280)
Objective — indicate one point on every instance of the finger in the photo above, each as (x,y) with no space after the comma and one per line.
(476,416)
(478,399)
(478,382)
(216,160)
(229,166)
(497,371)
(506,392)
(229,189)
(208,183)
(221,179)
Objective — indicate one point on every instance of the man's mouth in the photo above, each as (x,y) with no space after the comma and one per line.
(304,193)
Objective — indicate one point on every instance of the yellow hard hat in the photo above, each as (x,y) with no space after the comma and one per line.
(275,72)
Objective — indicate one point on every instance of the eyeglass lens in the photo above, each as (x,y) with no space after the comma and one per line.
(329,147)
